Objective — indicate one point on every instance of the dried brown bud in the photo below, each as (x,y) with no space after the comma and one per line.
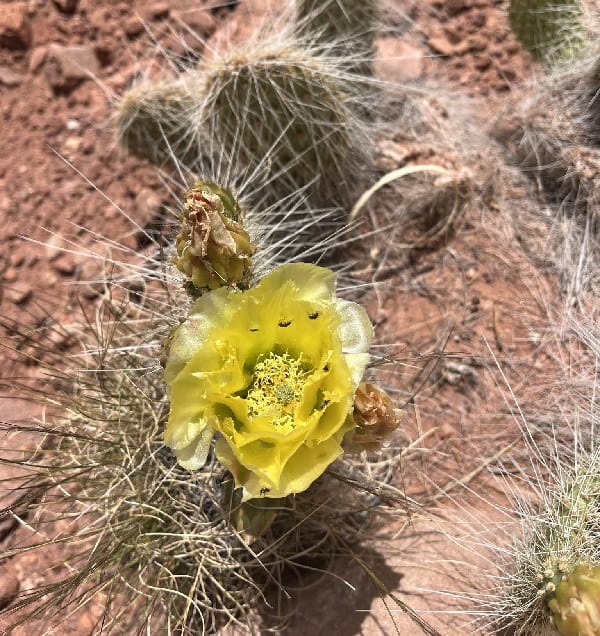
(213,249)
(374,415)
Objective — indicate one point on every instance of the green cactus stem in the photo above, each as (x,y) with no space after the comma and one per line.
(283,112)
(348,25)
(552,30)
(152,122)
(250,518)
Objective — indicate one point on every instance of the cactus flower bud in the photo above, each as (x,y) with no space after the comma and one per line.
(213,248)
(575,604)
(375,418)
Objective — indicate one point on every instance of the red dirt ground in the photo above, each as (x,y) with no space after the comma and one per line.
(61,170)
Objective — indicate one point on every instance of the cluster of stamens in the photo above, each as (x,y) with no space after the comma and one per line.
(276,388)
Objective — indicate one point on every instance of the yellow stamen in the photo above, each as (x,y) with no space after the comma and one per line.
(276,388)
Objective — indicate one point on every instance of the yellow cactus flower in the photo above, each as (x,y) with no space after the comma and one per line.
(272,369)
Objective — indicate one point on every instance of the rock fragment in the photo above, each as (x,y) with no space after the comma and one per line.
(19,295)
(8,77)
(15,28)
(66,6)
(155,11)
(68,66)
(37,58)
(133,27)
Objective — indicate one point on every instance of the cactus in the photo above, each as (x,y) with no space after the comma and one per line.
(153,122)
(558,571)
(570,586)
(348,25)
(280,110)
(554,135)
(166,543)
(551,30)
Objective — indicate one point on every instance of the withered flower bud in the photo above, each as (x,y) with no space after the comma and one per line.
(375,417)
(213,248)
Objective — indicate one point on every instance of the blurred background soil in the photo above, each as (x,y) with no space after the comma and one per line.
(63,63)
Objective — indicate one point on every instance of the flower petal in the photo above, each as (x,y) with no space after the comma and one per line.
(193,456)
(356,330)
(306,465)
(310,282)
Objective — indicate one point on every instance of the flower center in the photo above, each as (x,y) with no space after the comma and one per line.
(276,388)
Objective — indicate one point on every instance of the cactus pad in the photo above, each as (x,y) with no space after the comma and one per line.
(347,24)
(550,29)
(152,122)
(283,112)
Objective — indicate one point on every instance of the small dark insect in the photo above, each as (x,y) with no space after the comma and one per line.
(253,329)
(314,315)
(264,491)
(285,323)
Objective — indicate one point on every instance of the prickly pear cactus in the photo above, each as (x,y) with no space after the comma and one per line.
(152,122)
(571,586)
(347,25)
(552,30)
(283,113)
(553,579)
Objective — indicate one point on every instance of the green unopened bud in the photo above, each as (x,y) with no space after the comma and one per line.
(575,603)
(250,518)
(374,416)
(213,248)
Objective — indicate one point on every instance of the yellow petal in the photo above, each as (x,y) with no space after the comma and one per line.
(274,371)
(356,330)
(306,465)
(311,282)
(193,456)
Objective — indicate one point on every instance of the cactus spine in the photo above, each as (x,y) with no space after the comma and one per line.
(153,122)
(552,30)
(348,24)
